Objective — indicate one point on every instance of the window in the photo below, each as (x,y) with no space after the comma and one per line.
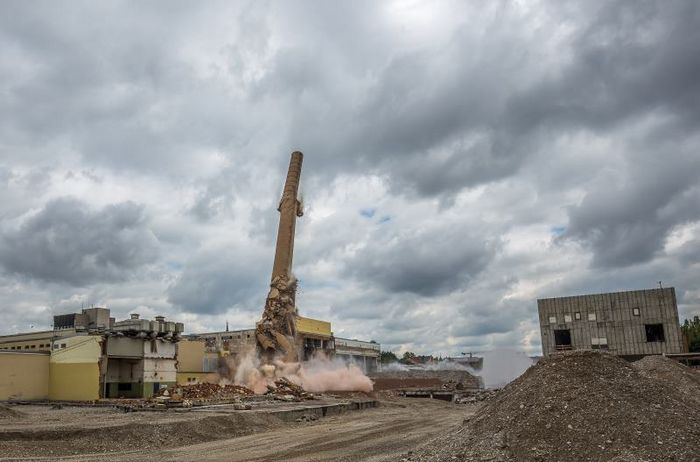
(577,316)
(562,339)
(599,343)
(591,316)
(552,319)
(33,346)
(567,318)
(63,345)
(655,332)
(635,311)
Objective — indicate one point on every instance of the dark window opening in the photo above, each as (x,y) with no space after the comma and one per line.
(655,332)
(123,387)
(562,339)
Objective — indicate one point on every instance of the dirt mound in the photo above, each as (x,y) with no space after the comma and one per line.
(7,412)
(671,372)
(578,406)
(142,436)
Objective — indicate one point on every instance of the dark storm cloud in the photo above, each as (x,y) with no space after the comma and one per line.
(444,142)
(214,281)
(67,242)
(426,263)
(484,113)
(627,219)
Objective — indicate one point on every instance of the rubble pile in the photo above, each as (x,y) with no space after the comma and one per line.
(284,387)
(207,391)
(578,406)
(477,396)
(683,378)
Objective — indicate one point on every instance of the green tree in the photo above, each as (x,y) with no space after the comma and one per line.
(408,357)
(691,329)
(387,357)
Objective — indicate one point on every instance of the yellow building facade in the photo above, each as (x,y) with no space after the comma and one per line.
(194,363)
(24,376)
(74,370)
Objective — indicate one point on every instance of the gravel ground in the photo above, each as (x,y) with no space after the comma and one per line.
(377,434)
(582,406)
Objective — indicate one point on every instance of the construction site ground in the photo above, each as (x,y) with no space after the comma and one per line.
(398,425)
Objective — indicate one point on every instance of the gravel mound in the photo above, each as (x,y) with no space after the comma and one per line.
(579,406)
(671,372)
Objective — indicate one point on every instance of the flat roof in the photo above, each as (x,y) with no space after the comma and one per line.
(36,332)
(609,293)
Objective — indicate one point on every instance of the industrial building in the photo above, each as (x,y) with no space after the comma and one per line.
(630,324)
(198,354)
(89,356)
(363,354)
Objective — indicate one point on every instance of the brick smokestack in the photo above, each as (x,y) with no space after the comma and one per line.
(290,209)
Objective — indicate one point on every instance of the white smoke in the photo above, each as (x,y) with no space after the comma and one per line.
(448,366)
(393,367)
(502,367)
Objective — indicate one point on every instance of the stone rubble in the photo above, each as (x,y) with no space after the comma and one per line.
(582,407)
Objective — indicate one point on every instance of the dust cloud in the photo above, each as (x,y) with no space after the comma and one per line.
(320,374)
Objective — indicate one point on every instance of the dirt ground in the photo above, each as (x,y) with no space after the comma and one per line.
(399,425)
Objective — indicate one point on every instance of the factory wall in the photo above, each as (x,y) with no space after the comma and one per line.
(24,376)
(74,371)
(195,364)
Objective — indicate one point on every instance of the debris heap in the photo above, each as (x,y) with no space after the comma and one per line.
(208,391)
(683,378)
(276,331)
(284,387)
(580,406)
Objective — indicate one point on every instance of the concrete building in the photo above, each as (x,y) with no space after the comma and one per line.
(90,356)
(314,335)
(90,321)
(363,354)
(631,324)
(196,360)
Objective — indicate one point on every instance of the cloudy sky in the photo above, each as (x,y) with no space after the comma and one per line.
(462,159)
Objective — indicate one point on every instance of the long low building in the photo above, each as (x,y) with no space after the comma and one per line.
(364,354)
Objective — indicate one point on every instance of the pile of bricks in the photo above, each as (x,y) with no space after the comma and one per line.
(284,387)
(208,391)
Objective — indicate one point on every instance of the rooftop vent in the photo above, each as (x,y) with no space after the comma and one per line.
(134,316)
